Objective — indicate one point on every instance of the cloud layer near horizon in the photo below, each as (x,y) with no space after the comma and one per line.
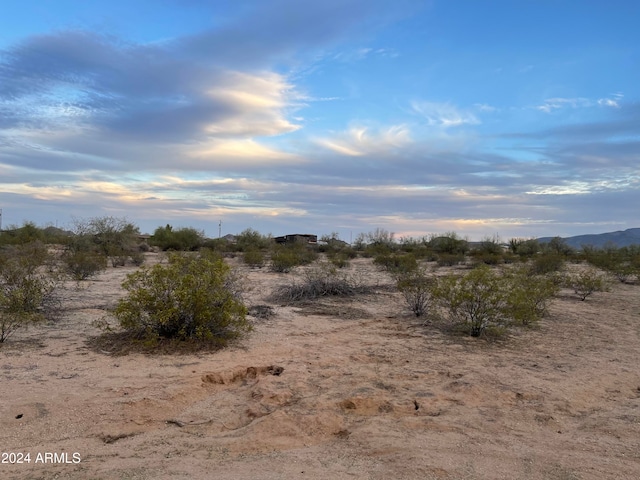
(229,124)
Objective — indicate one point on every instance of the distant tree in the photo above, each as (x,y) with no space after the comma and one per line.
(181,239)
(251,239)
(380,236)
(524,248)
(558,245)
(449,243)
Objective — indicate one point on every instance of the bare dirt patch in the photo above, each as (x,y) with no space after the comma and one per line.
(340,388)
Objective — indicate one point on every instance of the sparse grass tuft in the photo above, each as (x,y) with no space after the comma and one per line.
(323,280)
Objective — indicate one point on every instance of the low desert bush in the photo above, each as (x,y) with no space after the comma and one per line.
(193,297)
(586,282)
(254,258)
(475,300)
(528,296)
(396,264)
(487,258)
(251,240)
(417,287)
(339,259)
(180,239)
(494,299)
(285,258)
(622,263)
(449,259)
(82,265)
(28,290)
(546,263)
(137,258)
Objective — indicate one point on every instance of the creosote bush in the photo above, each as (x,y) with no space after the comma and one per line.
(528,296)
(179,239)
(27,287)
(254,258)
(339,259)
(285,258)
(546,263)
(417,287)
(475,300)
(193,297)
(489,298)
(81,265)
(586,282)
(396,264)
(623,263)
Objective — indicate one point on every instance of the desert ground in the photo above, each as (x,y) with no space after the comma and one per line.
(349,388)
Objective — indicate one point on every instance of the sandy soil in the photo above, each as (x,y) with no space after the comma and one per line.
(340,389)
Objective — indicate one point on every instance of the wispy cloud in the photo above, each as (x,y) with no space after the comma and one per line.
(359,140)
(559,103)
(443,114)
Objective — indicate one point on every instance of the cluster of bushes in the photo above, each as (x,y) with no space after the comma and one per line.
(623,263)
(180,239)
(197,296)
(489,298)
(288,256)
(96,241)
(28,286)
(482,298)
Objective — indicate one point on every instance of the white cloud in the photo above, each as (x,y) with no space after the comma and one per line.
(558,103)
(483,107)
(612,101)
(258,104)
(444,114)
(358,140)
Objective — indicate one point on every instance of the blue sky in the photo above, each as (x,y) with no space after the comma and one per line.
(518,118)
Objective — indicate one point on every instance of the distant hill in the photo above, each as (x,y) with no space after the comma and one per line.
(623,238)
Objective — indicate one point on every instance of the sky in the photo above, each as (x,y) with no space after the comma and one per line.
(516,118)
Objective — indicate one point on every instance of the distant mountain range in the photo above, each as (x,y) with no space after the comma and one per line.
(623,238)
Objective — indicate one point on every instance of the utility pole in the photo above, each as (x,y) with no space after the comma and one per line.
(220,229)
(0,219)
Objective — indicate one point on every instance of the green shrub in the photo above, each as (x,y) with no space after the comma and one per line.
(137,258)
(250,239)
(586,282)
(491,299)
(546,263)
(397,264)
(476,300)
(254,258)
(622,263)
(487,258)
(558,246)
(528,296)
(182,239)
(449,243)
(27,290)
(82,265)
(193,297)
(284,260)
(417,289)
(339,259)
(524,248)
(286,257)
(449,259)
